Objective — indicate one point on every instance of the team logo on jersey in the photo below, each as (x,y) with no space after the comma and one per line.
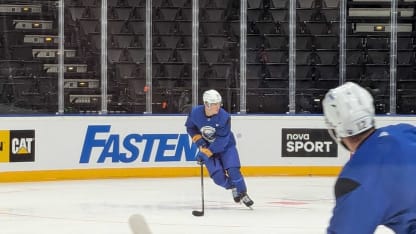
(17,145)
(208,133)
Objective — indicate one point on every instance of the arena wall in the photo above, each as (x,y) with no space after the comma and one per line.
(41,148)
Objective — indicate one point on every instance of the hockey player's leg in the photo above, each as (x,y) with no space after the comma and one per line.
(239,186)
(236,195)
(217,173)
(231,161)
(221,179)
(240,192)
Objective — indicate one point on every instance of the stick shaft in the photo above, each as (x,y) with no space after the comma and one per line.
(202,187)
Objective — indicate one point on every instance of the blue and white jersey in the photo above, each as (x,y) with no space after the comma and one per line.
(215,130)
(378,184)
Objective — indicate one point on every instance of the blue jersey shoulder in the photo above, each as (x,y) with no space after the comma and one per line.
(223,116)
(380,148)
(198,113)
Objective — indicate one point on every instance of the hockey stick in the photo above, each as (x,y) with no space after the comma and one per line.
(197,212)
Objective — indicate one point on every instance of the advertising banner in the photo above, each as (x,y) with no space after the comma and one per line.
(49,147)
(306,142)
(17,146)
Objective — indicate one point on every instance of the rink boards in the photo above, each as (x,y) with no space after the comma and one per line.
(89,147)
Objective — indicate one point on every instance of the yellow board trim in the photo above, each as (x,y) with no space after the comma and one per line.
(4,146)
(158,172)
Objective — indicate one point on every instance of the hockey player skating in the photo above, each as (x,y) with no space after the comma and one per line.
(209,126)
(377,186)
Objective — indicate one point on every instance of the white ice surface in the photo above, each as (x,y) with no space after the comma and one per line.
(284,205)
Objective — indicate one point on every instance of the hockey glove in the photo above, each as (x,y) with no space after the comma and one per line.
(203,155)
(200,158)
(199,141)
(206,151)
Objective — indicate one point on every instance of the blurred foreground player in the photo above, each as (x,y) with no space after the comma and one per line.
(210,129)
(377,186)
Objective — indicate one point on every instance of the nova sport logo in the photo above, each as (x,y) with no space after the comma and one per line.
(101,145)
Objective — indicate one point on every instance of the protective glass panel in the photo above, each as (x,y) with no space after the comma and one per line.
(406,59)
(172,56)
(126,50)
(219,51)
(368,49)
(317,52)
(82,29)
(28,57)
(267,56)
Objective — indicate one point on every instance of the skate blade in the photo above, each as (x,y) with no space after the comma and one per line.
(250,207)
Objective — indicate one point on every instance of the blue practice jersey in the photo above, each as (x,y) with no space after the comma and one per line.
(216,129)
(378,184)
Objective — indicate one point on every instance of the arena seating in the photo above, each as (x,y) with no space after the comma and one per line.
(368,51)
(29,54)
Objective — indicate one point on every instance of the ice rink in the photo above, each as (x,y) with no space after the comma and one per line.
(283,205)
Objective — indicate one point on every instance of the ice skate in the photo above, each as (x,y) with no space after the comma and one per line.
(246,200)
(236,195)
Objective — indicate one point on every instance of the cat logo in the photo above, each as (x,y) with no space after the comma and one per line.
(22,145)
(17,146)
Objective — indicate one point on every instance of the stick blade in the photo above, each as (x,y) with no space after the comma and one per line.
(138,224)
(197,213)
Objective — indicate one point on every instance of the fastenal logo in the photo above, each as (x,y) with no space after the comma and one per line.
(304,142)
(101,145)
(17,146)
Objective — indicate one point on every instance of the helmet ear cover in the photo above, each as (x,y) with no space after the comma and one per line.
(349,110)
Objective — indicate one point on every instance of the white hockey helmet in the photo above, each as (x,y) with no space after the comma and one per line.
(212,96)
(349,110)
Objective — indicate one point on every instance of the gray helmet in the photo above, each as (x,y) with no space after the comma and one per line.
(211,96)
(349,110)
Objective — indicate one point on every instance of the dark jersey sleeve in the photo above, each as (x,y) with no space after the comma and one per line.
(357,208)
(344,186)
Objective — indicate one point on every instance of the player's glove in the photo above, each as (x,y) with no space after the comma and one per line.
(199,141)
(200,158)
(206,151)
(203,155)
